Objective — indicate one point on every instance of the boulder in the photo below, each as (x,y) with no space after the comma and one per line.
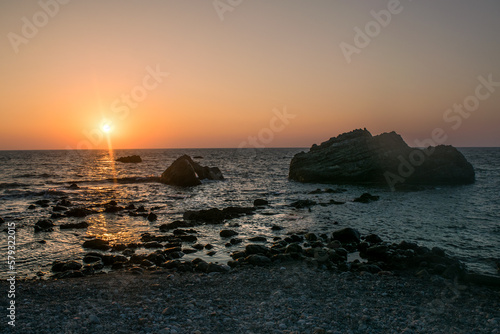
(256,249)
(227,233)
(97,244)
(79,212)
(366,198)
(59,266)
(357,157)
(130,159)
(260,202)
(185,172)
(346,235)
(174,225)
(44,226)
(217,216)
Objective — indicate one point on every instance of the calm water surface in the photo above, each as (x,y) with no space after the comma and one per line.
(464,220)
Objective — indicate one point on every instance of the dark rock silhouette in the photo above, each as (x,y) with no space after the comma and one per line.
(357,157)
(44,226)
(366,198)
(131,159)
(185,172)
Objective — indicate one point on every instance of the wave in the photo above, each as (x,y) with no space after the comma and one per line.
(147,179)
(16,194)
(13,185)
(36,176)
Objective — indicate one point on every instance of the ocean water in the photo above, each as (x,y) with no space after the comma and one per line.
(463,220)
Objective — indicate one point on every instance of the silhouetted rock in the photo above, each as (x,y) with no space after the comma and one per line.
(174,225)
(217,216)
(346,235)
(357,157)
(97,244)
(59,266)
(185,172)
(131,159)
(73,186)
(303,203)
(1,221)
(366,198)
(79,212)
(227,233)
(260,202)
(44,226)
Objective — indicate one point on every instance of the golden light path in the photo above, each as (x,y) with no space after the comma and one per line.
(107,128)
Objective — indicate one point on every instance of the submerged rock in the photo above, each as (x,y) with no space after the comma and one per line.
(366,198)
(357,157)
(79,212)
(130,159)
(227,233)
(44,226)
(185,172)
(97,244)
(217,216)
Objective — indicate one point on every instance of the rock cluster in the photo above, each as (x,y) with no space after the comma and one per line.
(357,157)
(185,172)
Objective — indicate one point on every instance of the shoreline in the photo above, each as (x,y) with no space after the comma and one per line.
(285,298)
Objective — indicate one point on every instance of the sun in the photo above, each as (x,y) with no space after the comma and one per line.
(106,128)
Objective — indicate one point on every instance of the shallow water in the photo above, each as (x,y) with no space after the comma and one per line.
(464,220)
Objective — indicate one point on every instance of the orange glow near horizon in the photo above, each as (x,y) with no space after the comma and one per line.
(162,81)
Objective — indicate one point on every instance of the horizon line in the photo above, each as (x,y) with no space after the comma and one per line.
(203,148)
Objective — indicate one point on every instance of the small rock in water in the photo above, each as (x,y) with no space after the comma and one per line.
(227,233)
(366,198)
(130,159)
(260,202)
(97,244)
(258,239)
(152,217)
(346,235)
(44,226)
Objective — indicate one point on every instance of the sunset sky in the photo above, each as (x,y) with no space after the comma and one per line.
(179,74)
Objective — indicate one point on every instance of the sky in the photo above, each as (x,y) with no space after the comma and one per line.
(246,73)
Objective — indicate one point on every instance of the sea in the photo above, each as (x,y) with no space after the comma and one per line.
(463,220)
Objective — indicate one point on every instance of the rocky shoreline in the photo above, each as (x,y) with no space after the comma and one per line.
(294,297)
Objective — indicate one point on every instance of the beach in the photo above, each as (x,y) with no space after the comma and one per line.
(286,298)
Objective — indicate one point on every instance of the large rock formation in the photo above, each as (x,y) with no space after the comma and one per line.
(357,157)
(185,172)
